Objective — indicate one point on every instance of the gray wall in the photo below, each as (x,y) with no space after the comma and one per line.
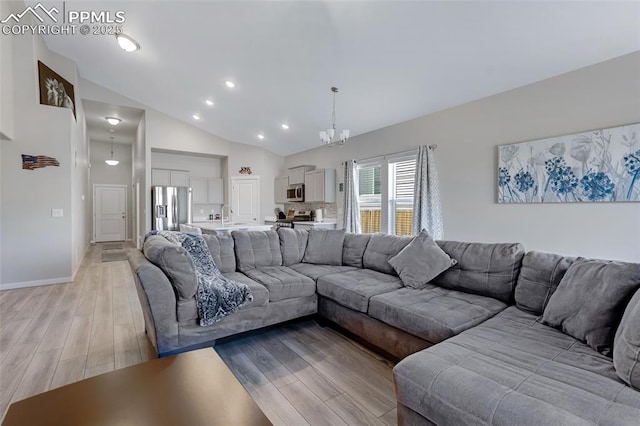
(599,96)
(120,174)
(37,248)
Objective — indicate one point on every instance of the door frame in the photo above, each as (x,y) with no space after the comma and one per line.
(240,179)
(126,213)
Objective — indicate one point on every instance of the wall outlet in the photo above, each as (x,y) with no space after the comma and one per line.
(57,213)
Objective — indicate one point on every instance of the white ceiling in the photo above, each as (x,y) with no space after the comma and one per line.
(392,60)
(98,129)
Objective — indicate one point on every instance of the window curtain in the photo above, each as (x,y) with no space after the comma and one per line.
(427,210)
(351,208)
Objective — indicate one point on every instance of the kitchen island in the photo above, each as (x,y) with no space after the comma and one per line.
(215,226)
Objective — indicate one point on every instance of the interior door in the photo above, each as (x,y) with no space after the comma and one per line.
(110,213)
(245,200)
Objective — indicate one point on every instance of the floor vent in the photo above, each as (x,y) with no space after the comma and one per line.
(114,257)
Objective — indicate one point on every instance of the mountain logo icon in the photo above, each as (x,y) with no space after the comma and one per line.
(34,11)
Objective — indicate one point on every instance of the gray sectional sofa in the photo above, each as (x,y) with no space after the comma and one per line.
(474,343)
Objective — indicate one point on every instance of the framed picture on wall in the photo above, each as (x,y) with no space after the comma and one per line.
(55,90)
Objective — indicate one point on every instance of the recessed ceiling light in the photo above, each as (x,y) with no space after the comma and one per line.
(260,136)
(127,43)
(209,102)
(196,117)
(114,121)
(230,84)
(285,126)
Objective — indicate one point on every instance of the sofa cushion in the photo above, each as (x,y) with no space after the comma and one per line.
(324,247)
(316,271)
(433,313)
(539,277)
(255,249)
(282,282)
(485,269)
(626,346)
(176,264)
(222,250)
(420,261)
(353,249)
(293,243)
(188,308)
(354,289)
(513,370)
(591,299)
(380,249)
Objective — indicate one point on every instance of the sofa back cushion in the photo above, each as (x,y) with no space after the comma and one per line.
(485,269)
(353,249)
(626,345)
(538,280)
(591,299)
(293,243)
(255,249)
(176,264)
(222,250)
(324,247)
(380,249)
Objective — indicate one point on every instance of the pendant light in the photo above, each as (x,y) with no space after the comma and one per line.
(111,161)
(329,136)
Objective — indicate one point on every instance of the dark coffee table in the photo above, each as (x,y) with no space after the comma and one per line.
(193,388)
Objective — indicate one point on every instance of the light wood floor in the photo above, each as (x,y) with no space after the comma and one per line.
(299,374)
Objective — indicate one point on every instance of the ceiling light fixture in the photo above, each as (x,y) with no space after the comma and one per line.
(111,161)
(196,117)
(328,136)
(230,84)
(261,136)
(285,126)
(209,102)
(127,43)
(114,121)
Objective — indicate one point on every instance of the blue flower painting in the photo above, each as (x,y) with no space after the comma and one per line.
(598,166)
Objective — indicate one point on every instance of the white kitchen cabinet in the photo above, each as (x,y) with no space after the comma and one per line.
(198,190)
(207,190)
(215,190)
(280,189)
(296,174)
(165,177)
(320,186)
(310,187)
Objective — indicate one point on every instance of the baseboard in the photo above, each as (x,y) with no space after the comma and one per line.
(86,249)
(11,286)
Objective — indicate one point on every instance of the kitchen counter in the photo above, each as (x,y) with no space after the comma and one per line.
(325,224)
(215,225)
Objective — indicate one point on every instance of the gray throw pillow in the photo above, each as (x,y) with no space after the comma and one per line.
(420,261)
(324,247)
(626,346)
(591,299)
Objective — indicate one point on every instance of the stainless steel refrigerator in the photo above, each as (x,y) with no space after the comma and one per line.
(170,207)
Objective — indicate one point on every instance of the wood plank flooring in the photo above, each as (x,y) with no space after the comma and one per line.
(298,374)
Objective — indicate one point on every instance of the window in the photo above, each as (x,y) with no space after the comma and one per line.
(386,194)
(370,199)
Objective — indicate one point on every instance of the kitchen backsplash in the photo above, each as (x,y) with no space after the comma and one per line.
(330,210)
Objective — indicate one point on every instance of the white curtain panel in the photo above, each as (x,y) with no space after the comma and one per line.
(427,210)
(351,208)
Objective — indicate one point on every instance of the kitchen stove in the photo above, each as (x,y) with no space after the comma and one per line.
(294,216)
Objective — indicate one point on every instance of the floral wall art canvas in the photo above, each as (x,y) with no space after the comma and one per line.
(597,166)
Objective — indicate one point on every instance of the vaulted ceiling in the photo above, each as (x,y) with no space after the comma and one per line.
(392,60)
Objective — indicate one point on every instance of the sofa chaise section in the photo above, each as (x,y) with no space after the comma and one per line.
(512,369)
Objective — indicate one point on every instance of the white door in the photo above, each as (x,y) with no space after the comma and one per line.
(110,213)
(245,199)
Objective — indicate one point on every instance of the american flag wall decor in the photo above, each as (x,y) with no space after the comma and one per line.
(32,162)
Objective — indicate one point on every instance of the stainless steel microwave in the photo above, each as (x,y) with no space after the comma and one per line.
(295,193)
